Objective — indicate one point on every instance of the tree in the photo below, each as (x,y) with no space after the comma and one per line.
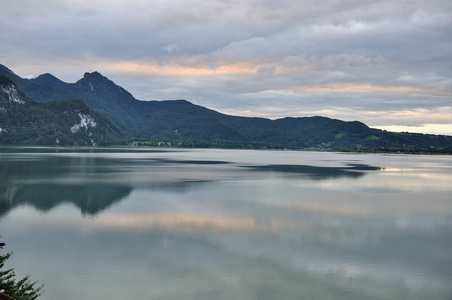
(23,289)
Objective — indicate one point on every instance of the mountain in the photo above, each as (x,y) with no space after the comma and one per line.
(181,122)
(37,92)
(69,122)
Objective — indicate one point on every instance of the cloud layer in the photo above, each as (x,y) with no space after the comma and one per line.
(385,63)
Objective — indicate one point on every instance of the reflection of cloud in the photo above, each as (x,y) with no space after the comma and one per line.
(190,223)
(333,210)
(177,222)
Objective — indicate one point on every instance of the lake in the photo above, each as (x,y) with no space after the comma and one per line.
(149,223)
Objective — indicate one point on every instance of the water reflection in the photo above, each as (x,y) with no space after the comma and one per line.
(90,183)
(229,225)
(319,172)
(90,199)
(93,183)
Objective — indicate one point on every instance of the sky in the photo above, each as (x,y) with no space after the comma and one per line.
(387,63)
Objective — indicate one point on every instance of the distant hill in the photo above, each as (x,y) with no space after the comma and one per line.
(183,123)
(69,122)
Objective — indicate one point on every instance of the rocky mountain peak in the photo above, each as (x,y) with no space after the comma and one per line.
(95,81)
(94,74)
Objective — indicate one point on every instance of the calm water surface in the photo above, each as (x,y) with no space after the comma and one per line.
(110,223)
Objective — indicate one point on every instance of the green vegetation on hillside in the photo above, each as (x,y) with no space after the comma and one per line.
(50,123)
(179,123)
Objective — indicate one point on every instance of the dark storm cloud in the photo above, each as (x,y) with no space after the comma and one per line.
(268,58)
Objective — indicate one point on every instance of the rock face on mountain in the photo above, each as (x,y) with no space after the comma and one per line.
(69,122)
(187,124)
(9,94)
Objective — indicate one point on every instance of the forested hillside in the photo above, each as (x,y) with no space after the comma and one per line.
(69,122)
(179,122)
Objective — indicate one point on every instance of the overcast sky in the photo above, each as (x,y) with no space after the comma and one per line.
(386,63)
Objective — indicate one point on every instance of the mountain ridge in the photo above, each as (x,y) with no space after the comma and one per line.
(68,122)
(187,124)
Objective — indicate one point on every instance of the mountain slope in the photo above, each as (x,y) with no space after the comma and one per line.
(97,91)
(36,91)
(70,122)
(188,124)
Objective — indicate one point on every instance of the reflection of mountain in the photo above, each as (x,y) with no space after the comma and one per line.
(90,183)
(32,181)
(91,199)
(318,172)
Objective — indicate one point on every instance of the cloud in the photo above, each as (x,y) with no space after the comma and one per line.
(171,48)
(253,57)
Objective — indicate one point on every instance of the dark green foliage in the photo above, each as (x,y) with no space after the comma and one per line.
(23,289)
(50,123)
